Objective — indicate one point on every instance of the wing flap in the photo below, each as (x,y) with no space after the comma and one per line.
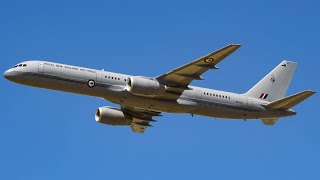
(141,118)
(138,128)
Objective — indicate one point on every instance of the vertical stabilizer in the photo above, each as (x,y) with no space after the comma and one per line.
(274,85)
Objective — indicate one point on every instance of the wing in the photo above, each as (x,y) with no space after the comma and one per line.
(141,118)
(183,76)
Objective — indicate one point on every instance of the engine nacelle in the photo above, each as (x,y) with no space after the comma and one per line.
(112,116)
(145,86)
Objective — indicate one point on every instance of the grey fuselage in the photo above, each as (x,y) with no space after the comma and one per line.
(111,86)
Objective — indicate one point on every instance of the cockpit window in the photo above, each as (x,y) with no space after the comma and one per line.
(20,65)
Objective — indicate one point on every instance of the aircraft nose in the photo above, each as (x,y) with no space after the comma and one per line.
(6,74)
(9,74)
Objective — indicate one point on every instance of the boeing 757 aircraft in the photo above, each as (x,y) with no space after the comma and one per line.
(141,98)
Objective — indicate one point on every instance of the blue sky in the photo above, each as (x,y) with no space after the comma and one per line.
(53,135)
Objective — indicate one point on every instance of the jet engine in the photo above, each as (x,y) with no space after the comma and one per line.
(145,86)
(112,116)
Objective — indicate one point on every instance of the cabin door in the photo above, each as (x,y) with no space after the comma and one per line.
(99,76)
(40,67)
(199,94)
(249,102)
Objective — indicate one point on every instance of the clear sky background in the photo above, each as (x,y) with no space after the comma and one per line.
(53,135)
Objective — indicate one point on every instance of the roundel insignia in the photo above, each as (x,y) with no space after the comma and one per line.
(91,83)
(272,79)
(208,60)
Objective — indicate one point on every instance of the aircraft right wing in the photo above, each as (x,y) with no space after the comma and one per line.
(181,77)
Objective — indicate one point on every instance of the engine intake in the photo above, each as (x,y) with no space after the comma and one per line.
(145,86)
(112,116)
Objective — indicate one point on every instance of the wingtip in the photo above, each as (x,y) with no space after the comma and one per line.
(311,92)
(236,45)
(288,61)
(231,47)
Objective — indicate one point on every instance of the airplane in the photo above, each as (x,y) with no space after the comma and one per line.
(143,98)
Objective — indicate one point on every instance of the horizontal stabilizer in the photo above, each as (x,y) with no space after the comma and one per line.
(290,101)
(269,121)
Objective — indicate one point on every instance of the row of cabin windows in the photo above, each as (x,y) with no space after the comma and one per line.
(20,65)
(115,78)
(221,96)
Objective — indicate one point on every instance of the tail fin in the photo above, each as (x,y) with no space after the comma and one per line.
(275,84)
(290,101)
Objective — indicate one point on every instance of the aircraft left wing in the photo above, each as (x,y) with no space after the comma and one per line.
(184,75)
(141,118)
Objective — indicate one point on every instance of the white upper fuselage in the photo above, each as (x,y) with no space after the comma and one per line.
(111,86)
